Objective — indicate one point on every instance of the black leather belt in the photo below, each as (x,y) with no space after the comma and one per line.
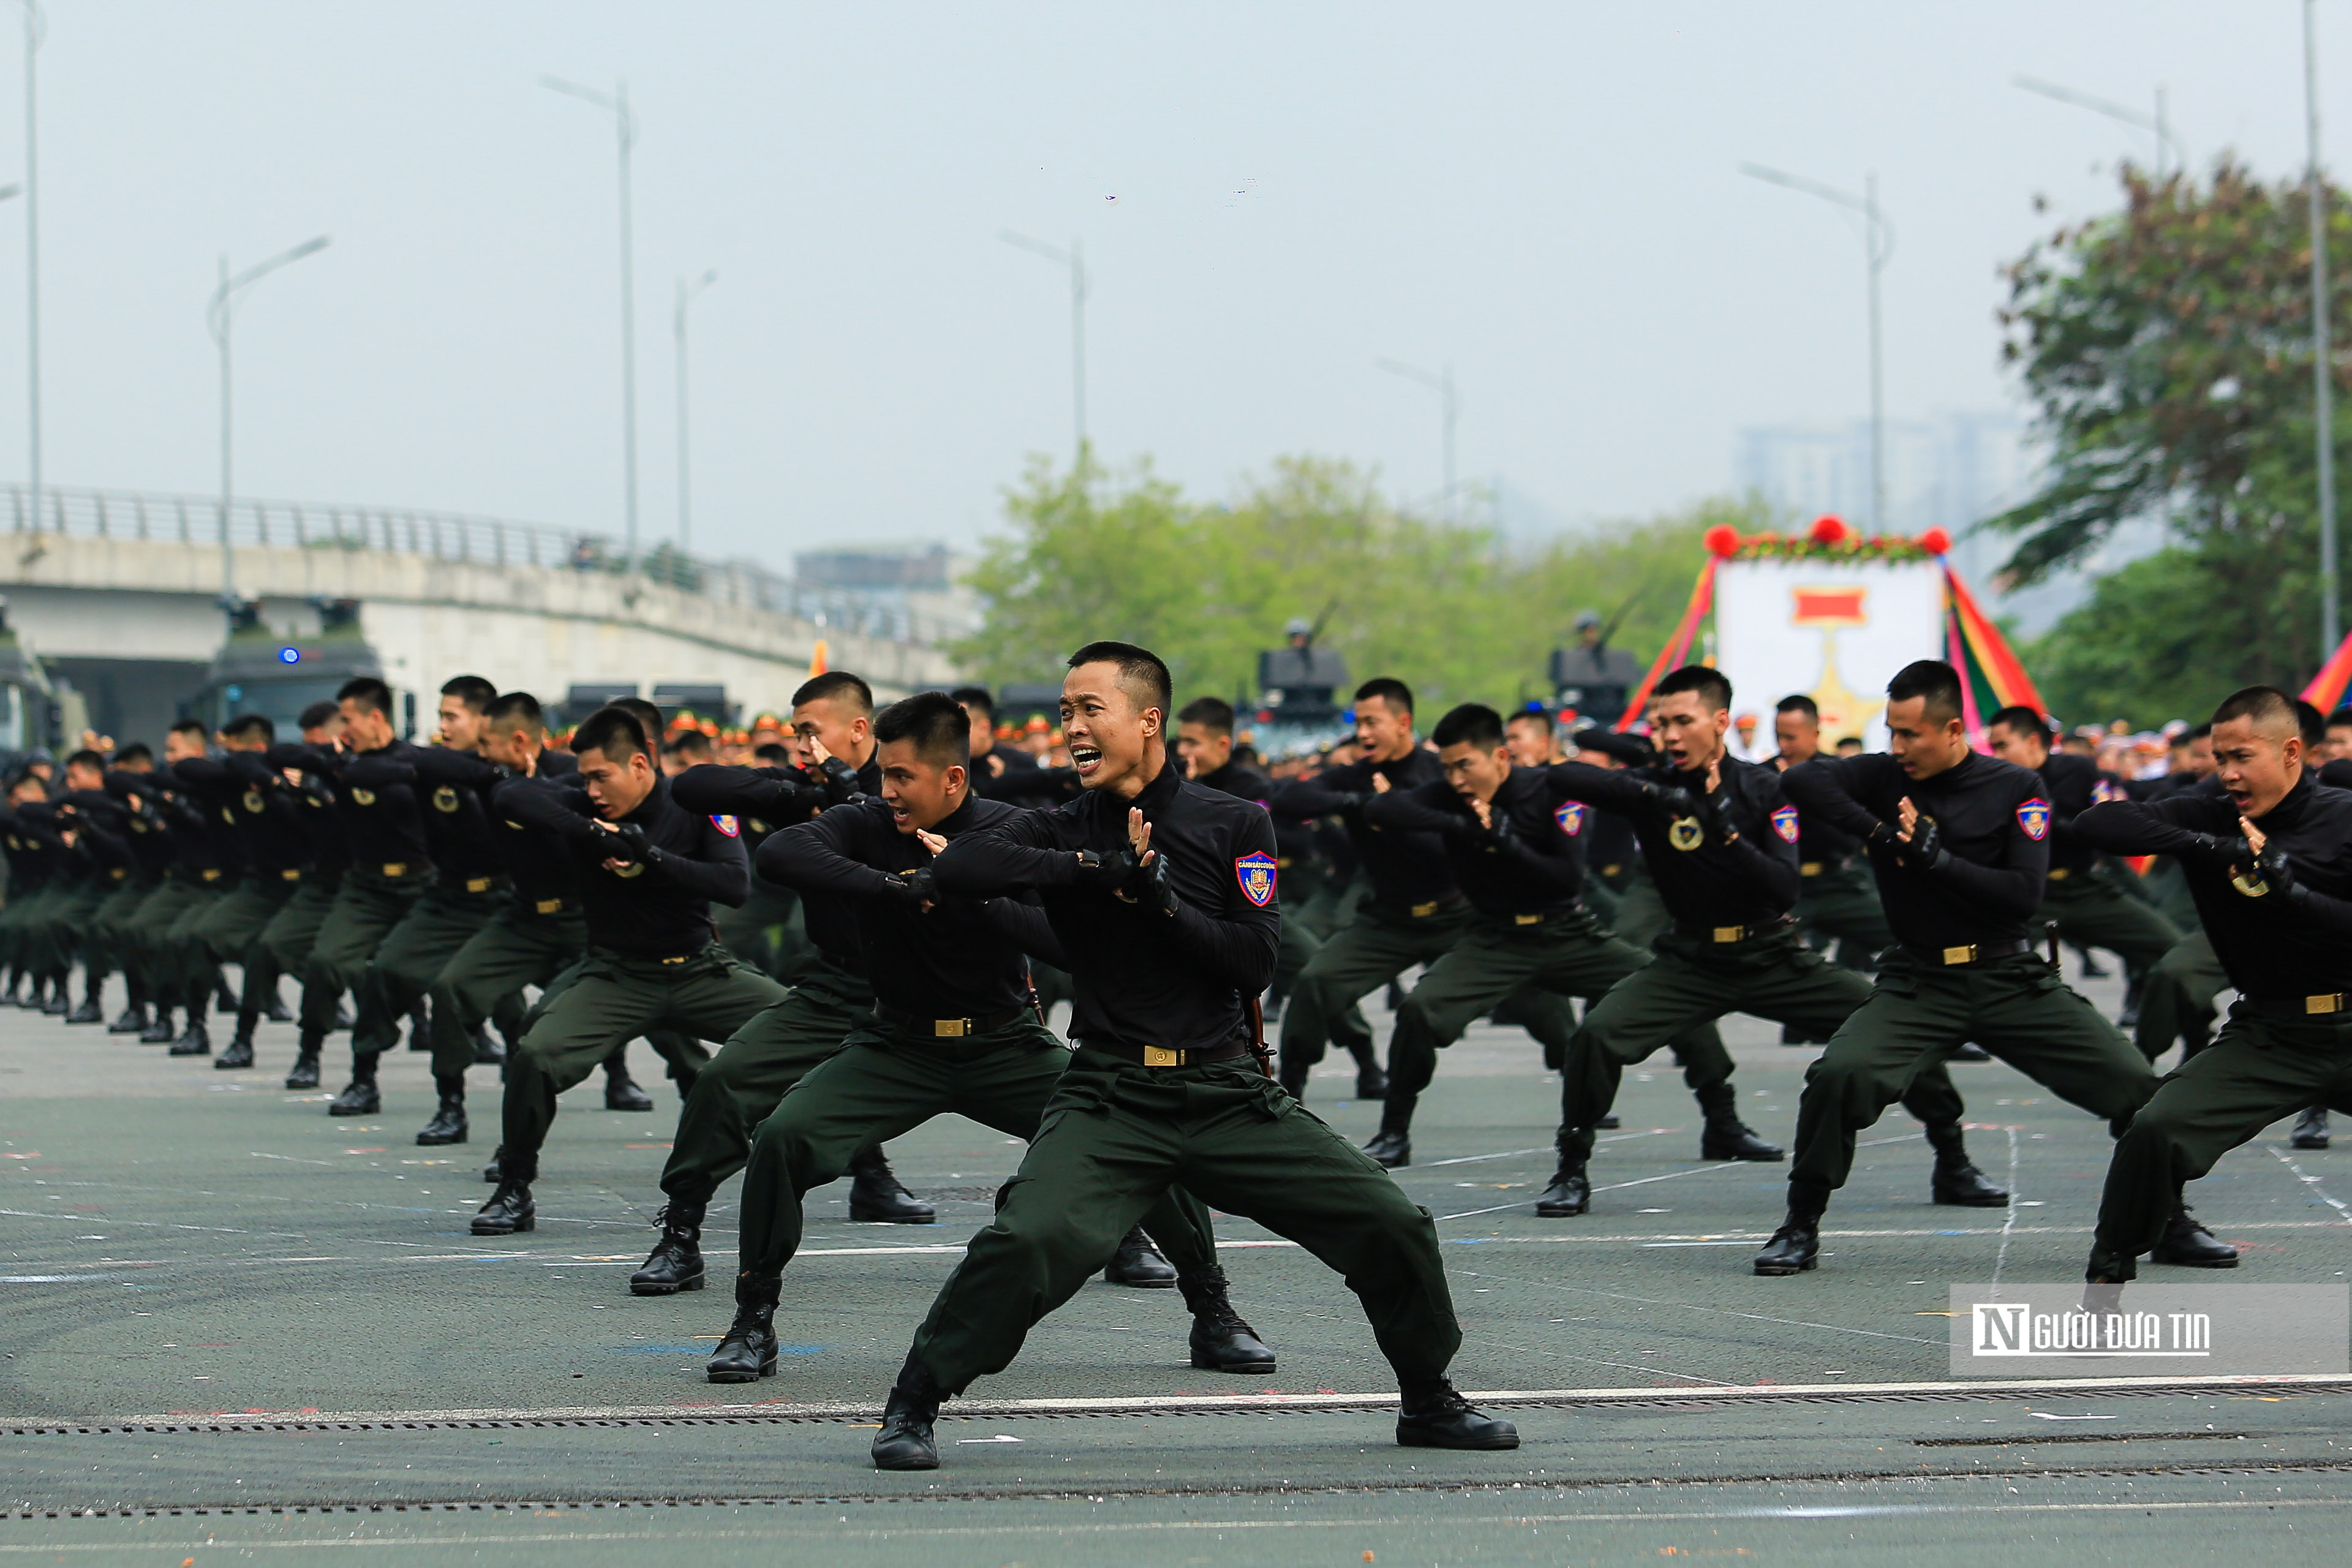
(1976,952)
(1163,1057)
(2319,1006)
(1712,934)
(949,1029)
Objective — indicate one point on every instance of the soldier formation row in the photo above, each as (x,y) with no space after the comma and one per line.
(945,888)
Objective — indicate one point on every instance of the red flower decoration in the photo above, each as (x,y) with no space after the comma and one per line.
(1723,539)
(1829,529)
(1935,542)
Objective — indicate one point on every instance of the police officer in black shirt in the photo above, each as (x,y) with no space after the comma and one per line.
(952,1030)
(150,863)
(649,872)
(2269,860)
(101,832)
(241,787)
(293,931)
(1720,841)
(1961,845)
(992,761)
(1836,900)
(1163,895)
(1513,842)
(164,926)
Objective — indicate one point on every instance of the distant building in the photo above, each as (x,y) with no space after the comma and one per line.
(917,588)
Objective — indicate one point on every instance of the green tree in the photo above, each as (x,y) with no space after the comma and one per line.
(2167,346)
(1209,585)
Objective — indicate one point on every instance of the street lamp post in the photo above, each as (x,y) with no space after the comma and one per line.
(36,28)
(616,103)
(1441,381)
(1074,259)
(685,294)
(1878,245)
(219,315)
(2323,380)
(2165,140)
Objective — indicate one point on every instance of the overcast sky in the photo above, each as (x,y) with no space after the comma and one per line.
(1270,195)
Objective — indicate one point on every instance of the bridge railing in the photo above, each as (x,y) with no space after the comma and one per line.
(451,536)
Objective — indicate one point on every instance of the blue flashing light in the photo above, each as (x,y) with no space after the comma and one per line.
(289,656)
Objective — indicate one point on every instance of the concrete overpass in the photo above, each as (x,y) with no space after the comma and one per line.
(119,596)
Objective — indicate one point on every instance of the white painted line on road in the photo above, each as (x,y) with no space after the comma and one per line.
(2313,1183)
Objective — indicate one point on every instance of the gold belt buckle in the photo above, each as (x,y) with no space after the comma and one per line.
(396,868)
(1960,955)
(2332,1003)
(1161,1056)
(1423,912)
(1730,933)
(1611,871)
(118,873)
(951,1029)
(477,884)
(679,960)
(1809,869)
(1282,862)
(548,906)
(1526,920)
(2061,873)
(212,875)
(291,873)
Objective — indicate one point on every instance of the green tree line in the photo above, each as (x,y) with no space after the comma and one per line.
(1208,586)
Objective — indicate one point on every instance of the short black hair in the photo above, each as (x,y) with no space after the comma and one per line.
(2199,732)
(1845,741)
(137,751)
(775,755)
(1711,686)
(934,722)
(1798,702)
(1392,692)
(191,727)
(974,696)
(1139,670)
(86,758)
(1471,724)
(1934,681)
(1537,715)
(2019,720)
(318,713)
(614,730)
(648,718)
(2265,705)
(1210,712)
(2314,722)
(470,690)
(517,710)
(247,723)
(689,743)
(367,691)
(836,685)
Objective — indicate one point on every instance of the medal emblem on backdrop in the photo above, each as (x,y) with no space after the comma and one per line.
(1256,873)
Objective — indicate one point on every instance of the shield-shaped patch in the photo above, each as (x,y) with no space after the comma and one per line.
(1784,823)
(1255,872)
(726,824)
(2034,816)
(1571,818)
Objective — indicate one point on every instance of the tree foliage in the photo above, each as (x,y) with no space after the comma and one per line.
(2169,347)
(1208,586)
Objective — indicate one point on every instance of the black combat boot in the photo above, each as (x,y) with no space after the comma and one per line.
(197,1041)
(1222,1340)
(747,1354)
(2187,1245)
(1724,1136)
(225,1000)
(1371,1083)
(240,1049)
(274,1008)
(905,1442)
(2110,1268)
(1797,1245)
(420,1029)
(159,1030)
(1571,1192)
(496,1171)
(509,1210)
(1393,1145)
(305,1071)
(488,1051)
(875,1194)
(343,1019)
(15,995)
(59,1001)
(93,1009)
(449,1124)
(1969,1051)
(1137,1264)
(1957,1182)
(620,1090)
(676,1264)
(1431,1416)
(359,1096)
(134,1018)
(2311,1128)
(1608,1123)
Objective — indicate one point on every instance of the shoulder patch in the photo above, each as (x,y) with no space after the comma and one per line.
(2034,816)
(1256,873)
(1785,823)
(727,824)
(2106,790)
(1571,818)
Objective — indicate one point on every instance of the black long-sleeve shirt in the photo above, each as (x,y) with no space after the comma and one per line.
(150,841)
(536,861)
(206,787)
(1527,863)
(960,959)
(786,796)
(1820,842)
(1750,881)
(1992,817)
(644,910)
(2072,785)
(381,821)
(242,788)
(446,783)
(1408,869)
(185,825)
(2273,949)
(1143,977)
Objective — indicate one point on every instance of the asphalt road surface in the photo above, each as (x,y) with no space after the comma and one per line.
(234,1327)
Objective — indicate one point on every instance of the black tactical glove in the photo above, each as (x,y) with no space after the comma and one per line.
(914,888)
(1885,835)
(1103,873)
(2274,871)
(1151,887)
(1926,851)
(2217,852)
(634,846)
(1671,799)
(1719,818)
